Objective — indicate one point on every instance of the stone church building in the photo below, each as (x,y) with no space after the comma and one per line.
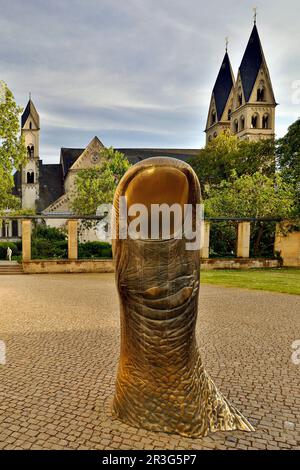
(246,106)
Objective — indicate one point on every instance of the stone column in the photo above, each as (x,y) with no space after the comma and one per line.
(10,228)
(205,232)
(5,228)
(72,239)
(243,241)
(26,240)
(19,228)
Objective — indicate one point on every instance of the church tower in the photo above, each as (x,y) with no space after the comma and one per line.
(30,128)
(221,103)
(253,115)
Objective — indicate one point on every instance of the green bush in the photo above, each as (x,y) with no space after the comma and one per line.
(94,250)
(48,242)
(4,246)
(48,233)
(42,248)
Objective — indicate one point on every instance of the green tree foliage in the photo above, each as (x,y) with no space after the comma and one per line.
(95,186)
(288,155)
(254,195)
(226,153)
(48,233)
(12,148)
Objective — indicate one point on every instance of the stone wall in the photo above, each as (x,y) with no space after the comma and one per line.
(289,248)
(107,265)
(68,266)
(239,263)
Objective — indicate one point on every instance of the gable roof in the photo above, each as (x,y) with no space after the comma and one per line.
(30,110)
(68,156)
(223,86)
(251,63)
(135,155)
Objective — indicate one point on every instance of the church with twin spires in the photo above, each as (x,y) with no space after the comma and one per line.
(245,106)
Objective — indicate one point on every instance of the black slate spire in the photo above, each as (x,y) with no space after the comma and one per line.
(223,86)
(251,63)
(30,109)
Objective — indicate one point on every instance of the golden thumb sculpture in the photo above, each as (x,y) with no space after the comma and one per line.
(161,381)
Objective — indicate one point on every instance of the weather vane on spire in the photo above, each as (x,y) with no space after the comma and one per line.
(255,14)
(30,95)
(226,43)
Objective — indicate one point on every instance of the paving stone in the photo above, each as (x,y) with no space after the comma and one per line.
(62,340)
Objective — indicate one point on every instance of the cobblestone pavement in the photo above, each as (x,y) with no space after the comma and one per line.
(61,334)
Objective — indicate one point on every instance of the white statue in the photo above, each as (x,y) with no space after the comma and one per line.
(9,253)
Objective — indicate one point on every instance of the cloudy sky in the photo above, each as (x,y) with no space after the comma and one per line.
(138,73)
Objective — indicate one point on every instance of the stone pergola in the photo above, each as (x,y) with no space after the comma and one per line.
(242,246)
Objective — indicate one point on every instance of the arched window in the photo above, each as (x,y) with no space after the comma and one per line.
(242,123)
(213,117)
(30,177)
(254,121)
(30,151)
(236,126)
(215,134)
(30,125)
(229,114)
(266,121)
(209,138)
(261,92)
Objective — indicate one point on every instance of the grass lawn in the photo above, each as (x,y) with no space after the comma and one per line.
(285,280)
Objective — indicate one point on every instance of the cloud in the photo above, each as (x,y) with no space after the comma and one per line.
(136,73)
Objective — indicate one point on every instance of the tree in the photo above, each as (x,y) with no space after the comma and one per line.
(254,195)
(12,148)
(288,155)
(226,153)
(288,152)
(95,186)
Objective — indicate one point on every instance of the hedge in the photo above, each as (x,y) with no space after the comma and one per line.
(41,248)
(94,250)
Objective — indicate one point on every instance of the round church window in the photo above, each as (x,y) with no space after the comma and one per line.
(95,158)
